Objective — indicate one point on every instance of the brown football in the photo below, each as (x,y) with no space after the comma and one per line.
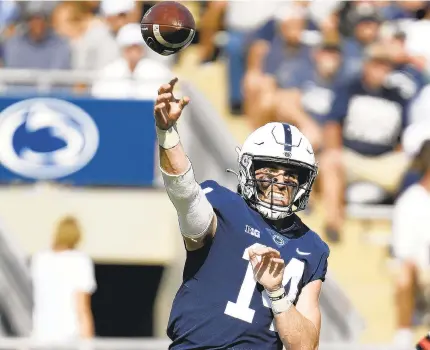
(168,27)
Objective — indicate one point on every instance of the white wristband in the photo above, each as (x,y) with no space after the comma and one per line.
(167,138)
(279,301)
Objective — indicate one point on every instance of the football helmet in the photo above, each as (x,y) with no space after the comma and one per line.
(280,144)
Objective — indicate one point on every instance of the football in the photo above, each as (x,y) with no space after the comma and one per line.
(168,27)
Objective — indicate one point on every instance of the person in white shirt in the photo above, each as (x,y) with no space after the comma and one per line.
(118,13)
(93,45)
(63,282)
(411,234)
(133,75)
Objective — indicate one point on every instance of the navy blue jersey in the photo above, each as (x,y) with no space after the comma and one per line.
(219,304)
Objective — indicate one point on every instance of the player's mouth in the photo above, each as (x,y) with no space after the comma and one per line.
(275,198)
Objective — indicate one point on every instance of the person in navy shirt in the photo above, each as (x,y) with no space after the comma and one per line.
(362,134)
(307,94)
(366,23)
(253,270)
(284,55)
(407,71)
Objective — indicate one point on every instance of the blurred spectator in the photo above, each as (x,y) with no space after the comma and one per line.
(63,281)
(324,12)
(118,13)
(132,75)
(420,109)
(411,239)
(406,66)
(272,62)
(365,22)
(308,94)
(240,18)
(9,12)
(361,135)
(38,46)
(403,10)
(417,34)
(412,140)
(93,46)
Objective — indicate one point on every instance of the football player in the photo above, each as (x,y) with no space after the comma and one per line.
(254,270)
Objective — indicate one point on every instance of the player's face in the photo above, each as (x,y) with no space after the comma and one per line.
(276,184)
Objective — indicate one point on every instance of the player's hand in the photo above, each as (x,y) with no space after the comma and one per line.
(268,266)
(168,109)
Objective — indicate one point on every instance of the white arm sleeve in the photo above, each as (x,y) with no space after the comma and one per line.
(195,213)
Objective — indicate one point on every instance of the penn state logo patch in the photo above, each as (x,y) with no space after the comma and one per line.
(46,138)
(279,240)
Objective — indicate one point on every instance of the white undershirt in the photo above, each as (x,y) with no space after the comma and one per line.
(411,226)
(57,277)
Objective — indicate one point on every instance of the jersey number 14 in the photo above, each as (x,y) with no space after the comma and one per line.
(240,309)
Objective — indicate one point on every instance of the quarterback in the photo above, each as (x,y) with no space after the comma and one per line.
(254,270)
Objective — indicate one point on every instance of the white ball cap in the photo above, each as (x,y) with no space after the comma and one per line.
(129,35)
(414,137)
(116,7)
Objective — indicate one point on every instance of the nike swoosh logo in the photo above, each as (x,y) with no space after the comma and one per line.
(301,253)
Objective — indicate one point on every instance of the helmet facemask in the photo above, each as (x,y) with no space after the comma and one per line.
(263,190)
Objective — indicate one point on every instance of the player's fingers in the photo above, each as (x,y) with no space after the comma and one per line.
(261,250)
(173,82)
(278,260)
(168,87)
(263,266)
(165,97)
(253,257)
(160,106)
(183,102)
(274,252)
(272,265)
(279,268)
(161,112)
(164,88)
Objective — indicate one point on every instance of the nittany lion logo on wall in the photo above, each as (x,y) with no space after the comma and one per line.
(46,138)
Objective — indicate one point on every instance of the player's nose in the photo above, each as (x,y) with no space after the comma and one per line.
(279,182)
